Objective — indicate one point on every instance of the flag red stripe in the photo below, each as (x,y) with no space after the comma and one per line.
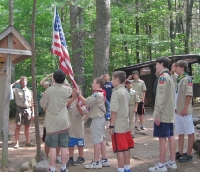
(59,48)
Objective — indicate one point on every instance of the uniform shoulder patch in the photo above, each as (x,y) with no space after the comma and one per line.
(162,80)
(94,94)
(189,82)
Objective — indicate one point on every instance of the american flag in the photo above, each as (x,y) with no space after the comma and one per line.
(59,48)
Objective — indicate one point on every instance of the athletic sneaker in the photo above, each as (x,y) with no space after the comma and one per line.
(170,166)
(143,128)
(185,158)
(105,163)
(58,160)
(70,162)
(65,170)
(127,170)
(94,165)
(50,170)
(80,160)
(156,168)
(178,155)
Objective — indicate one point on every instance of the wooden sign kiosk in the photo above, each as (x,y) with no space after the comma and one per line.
(13,49)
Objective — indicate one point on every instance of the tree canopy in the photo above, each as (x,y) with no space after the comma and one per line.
(141,30)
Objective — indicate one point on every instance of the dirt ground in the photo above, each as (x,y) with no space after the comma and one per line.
(143,156)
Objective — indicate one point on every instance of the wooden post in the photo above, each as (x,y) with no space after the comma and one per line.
(7,93)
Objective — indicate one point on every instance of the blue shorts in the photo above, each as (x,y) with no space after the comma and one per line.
(165,130)
(76,142)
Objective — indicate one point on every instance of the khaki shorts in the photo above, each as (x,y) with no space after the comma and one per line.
(97,130)
(23,116)
(57,140)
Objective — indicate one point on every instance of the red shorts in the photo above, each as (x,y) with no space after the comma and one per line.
(122,142)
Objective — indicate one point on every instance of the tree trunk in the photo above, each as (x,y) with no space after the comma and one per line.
(76,22)
(150,44)
(148,32)
(102,38)
(37,130)
(172,31)
(124,42)
(179,17)
(189,7)
(137,27)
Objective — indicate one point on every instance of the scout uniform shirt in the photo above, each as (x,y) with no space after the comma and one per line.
(77,124)
(185,88)
(23,97)
(119,103)
(174,78)
(96,104)
(165,99)
(139,86)
(134,97)
(54,102)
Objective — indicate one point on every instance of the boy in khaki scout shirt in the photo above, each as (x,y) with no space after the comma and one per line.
(163,116)
(183,118)
(133,105)
(119,123)
(173,73)
(76,131)
(57,120)
(140,87)
(96,103)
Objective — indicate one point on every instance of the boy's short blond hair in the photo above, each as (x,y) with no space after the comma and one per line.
(121,75)
(100,81)
(182,64)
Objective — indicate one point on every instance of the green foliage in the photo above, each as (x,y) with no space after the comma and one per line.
(152,13)
(196,73)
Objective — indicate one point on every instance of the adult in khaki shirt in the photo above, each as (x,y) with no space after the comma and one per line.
(183,118)
(133,105)
(163,115)
(140,87)
(24,109)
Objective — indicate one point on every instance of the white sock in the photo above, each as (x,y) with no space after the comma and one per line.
(63,166)
(161,165)
(127,167)
(120,170)
(52,169)
(171,162)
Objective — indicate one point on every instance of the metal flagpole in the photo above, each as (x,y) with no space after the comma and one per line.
(54,57)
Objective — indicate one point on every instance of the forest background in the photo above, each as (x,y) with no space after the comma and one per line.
(141,30)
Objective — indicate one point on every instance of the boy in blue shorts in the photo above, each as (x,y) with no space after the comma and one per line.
(76,131)
(119,124)
(163,115)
